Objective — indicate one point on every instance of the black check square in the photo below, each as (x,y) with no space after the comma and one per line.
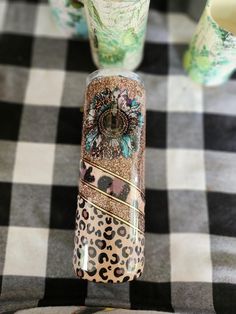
(220,132)
(30,205)
(150,295)
(39,124)
(63,207)
(233,77)
(161,5)
(64,292)
(79,57)
(16,49)
(177,5)
(44,55)
(69,127)
(222,213)
(156,121)
(176,54)
(10,117)
(224,296)
(178,123)
(1,277)
(156,212)
(26,287)
(155,59)
(5,201)
(22,23)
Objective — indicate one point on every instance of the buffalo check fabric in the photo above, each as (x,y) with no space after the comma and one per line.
(190,170)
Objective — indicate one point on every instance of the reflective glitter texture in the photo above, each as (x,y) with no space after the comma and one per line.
(110,218)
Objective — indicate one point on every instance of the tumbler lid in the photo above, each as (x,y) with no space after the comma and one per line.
(114,72)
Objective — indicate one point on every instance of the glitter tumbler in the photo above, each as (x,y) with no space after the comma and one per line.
(117,32)
(109,235)
(70,16)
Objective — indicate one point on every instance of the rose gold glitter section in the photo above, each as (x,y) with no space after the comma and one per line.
(124,212)
(112,197)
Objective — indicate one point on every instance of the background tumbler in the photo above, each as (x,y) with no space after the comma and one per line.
(117,32)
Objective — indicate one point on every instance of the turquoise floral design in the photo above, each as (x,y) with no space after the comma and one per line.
(211,57)
(117,45)
(113,125)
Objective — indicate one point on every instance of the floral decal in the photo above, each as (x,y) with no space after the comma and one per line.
(113,125)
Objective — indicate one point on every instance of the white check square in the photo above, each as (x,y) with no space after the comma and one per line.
(155,164)
(184,95)
(157,258)
(2,13)
(185,169)
(220,171)
(181,28)
(45,87)
(223,258)
(34,163)
(157,20)
(26,252)
(45,24)
(190,257)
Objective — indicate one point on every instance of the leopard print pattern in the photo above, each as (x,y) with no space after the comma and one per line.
(114,252)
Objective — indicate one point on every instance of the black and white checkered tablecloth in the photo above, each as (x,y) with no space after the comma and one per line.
(190,170)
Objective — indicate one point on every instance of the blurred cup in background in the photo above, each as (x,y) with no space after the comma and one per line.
(70,16)
(211,57)
(117,32)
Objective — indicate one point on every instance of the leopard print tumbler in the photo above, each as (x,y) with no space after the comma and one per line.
(109,235)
